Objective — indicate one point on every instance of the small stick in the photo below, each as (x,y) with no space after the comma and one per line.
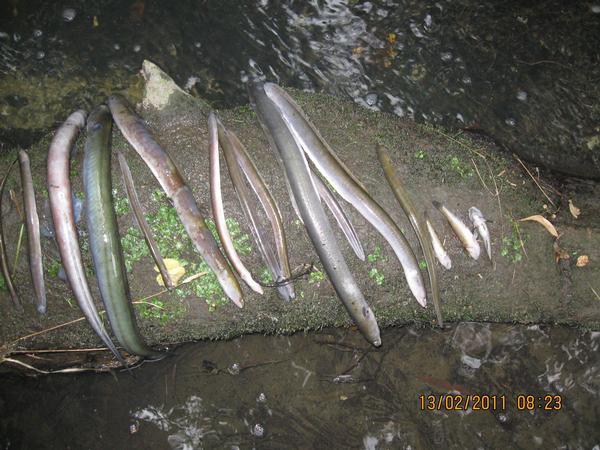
(17,253)
(3,257)
(138,213)
(534,180)
(142,300)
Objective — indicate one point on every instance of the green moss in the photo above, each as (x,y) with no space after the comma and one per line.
(52,268)
(316,276)
(161,311)
(265,276)
(511,245)
(376,255)
(376,276)
(423,264)
(460,167)
(2,283)
(174,242)
(420,154)
(121,204)
(134,247)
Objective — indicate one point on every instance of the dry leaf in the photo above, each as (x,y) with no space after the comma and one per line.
(575,211)
(583,261)
(559,253)
(544,222)
(175,269)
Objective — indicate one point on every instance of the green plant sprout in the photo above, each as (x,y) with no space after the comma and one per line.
(316,276)
(376,276)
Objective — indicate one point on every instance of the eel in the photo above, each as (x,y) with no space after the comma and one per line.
(479,223)
(216,200)
(34,243)
(165,171)
(311,210)
(347,185)
(138,213)
(416,221)
(61,207)
(461,230)
(340,216)
(105,243)
(3,257)
(239,164)
(438,247)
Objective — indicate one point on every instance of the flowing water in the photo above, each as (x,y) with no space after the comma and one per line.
(329,390)
(528,75)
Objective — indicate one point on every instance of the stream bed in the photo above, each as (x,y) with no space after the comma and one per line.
(539,387)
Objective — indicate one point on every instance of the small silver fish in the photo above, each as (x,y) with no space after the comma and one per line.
(438,248)
(479,223)
(461,230)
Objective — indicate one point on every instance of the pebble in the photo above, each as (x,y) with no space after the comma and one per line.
(69,14)
(258,430)
(371,99)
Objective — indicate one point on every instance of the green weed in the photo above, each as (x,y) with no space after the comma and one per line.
(511,245)
(376,276)
(459,167)
(316,276)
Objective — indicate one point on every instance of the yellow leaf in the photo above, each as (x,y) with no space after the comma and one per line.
(175,269)
(542,221)
(391,38)
(583,261)
(575,211)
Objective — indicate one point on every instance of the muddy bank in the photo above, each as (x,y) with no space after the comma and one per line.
(524,284)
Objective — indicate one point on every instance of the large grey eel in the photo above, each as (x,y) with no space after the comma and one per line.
(417,224)
(347,185)
(3,257)
(313,215)
(238,163)
(164,170)
(138,213)
(61,207)
(216,200)
(105,243)
(33,233)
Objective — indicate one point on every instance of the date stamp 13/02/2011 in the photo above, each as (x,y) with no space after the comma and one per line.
(489,402)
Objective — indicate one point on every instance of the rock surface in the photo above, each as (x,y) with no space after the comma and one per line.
(524,283)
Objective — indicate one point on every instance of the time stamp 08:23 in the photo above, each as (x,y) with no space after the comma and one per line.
(489,402)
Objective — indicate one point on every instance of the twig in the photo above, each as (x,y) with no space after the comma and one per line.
(59,350)
(534,180)
(47,372)
(142,300)
(594,291)
(481,179)
(456,141)
(18,252)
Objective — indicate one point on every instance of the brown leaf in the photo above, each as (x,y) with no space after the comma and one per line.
(542,221)
(583,261)
(575,211)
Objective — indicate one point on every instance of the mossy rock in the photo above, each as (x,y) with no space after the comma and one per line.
(523,283)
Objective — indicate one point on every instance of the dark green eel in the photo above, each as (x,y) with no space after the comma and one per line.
(347,185)
(33,233)
(61,206)
(417,223)
(312,213)
(105,244)
(165,171)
